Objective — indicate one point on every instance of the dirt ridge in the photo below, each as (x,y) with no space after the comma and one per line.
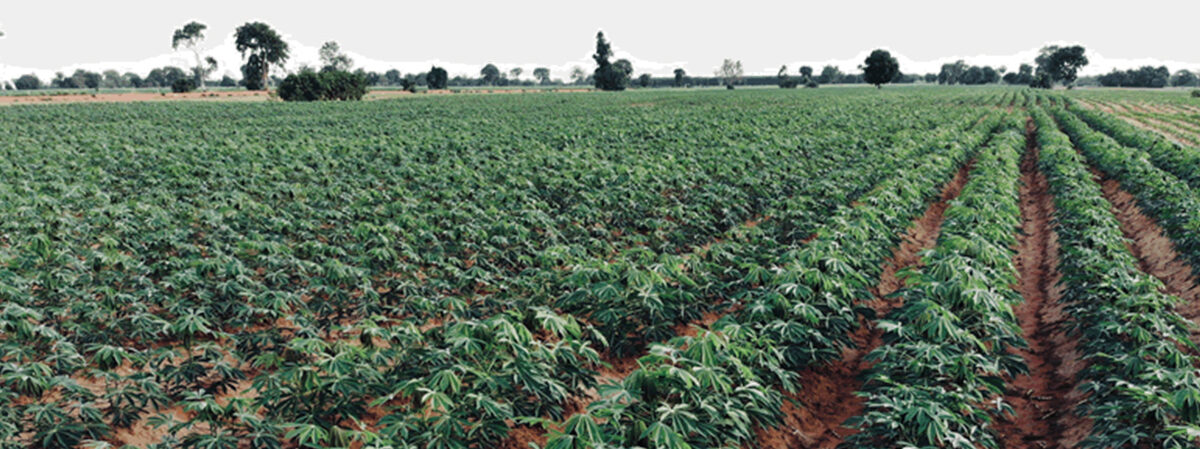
(827,392)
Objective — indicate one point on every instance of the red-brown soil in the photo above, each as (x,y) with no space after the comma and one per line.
(827,394)
(1155,252)
(1043,399)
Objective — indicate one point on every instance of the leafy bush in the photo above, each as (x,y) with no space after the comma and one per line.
(1195,93)
(329,85)
(342,85)
(183,86)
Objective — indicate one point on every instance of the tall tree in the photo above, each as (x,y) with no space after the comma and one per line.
(490,74)
(515,73)
(332,58)
(680,77)
(730,72)
(1061,64)
(806,72)
(542,74)
(578,76)
(785,80)
(437,78)
(880,68)
(262,47)
(190,36)
(609,75)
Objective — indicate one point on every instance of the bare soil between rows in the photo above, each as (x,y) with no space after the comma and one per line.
(827,392)
(1155,252)
(1044,399)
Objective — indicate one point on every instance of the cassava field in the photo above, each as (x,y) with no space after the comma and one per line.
(816,268)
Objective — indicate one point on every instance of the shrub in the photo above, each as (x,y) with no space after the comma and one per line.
(1195,93)
(183,85)
(303,86)
(328,85)
(811,84)
(343,85)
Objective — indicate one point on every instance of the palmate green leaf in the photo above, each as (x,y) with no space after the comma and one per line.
(308,435)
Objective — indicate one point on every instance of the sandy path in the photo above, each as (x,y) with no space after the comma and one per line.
(1044,398)
(827,392)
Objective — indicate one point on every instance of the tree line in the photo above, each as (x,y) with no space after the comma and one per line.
(262,48)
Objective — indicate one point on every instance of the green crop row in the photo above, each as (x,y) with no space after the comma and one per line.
(1181,161)
(1141,379)
(940,374)
(1161,195)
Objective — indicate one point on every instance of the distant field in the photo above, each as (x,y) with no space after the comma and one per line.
(821,268)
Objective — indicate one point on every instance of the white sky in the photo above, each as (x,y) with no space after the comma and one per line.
(462,35)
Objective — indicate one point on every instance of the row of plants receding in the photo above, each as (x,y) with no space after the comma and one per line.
(939,377)
(717,388)
(640,296)
(1181,161)
(1142,383)
(1170,201)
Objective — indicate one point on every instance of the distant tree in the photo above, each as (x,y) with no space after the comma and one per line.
(806,72)
(952,73)
(392,77)
(830,75)
(680,78)
(542,75)
(436,78)
(409,83)
(1061,64)
(990,75)
(133,80)
(578,76)
(1145,76)
(931,78)
(973,75)
(609,75)
(490,74)
(730,72)
(373,78)
(84,78)
(1023,75)
(515,73)
(1180,78)
(332,57)
(62,82)
(785,80)
(262,47)
(112,79)
(880,68)
(28,82)
(644,80)
(183,86)
(227,81)
(190,36)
